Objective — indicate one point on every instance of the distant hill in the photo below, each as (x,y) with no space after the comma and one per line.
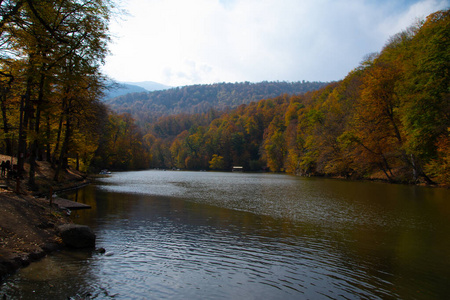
(122,88)
(146,106)
(119,89)
(150,85)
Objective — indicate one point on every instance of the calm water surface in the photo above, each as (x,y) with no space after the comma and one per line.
(205,235)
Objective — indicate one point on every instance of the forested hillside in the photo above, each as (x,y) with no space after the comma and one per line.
(148,106)
(389,118)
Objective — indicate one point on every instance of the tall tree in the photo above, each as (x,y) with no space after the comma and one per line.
(425,90)
(61,42)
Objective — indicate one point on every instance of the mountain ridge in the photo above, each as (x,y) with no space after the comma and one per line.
(200,98)
(116,89)
(149,85)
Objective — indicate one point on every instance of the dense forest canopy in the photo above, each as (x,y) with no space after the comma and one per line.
(50,80)
(389,118)
(147,107)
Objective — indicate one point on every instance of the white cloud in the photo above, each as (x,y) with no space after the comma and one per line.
(180,42)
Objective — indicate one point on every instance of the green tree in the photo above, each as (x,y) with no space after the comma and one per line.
(58,42)
(425,89)
(217,162)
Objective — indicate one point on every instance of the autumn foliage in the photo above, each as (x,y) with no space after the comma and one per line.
(388,118)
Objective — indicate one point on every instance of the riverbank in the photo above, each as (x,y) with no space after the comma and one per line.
(226,235)
(28,224)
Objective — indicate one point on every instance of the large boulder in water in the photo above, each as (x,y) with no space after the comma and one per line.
(77,236)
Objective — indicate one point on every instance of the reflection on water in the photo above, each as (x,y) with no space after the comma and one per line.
(190,235)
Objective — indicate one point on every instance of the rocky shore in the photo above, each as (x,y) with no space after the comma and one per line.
(29,226)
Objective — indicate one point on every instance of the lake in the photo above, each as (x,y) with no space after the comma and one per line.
(215,235)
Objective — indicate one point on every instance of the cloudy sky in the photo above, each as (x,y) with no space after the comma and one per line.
(184,42)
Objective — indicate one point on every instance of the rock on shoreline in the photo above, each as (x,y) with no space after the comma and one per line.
(77,236)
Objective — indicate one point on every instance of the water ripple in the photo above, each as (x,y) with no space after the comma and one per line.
(187,235)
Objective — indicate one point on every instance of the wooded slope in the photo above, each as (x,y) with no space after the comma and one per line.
(389,118)
(147,106)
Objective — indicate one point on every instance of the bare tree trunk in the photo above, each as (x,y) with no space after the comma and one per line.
(58,140)
(65,146)
(386,169)
(48,155)
(418,171)
(3,107)
(35,144)
(25,109)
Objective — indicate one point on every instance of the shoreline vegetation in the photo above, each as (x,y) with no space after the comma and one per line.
(387,119)
(28,224)
(50,89)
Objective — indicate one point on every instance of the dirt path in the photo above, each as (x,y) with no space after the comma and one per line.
(28,224)
(27,230)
